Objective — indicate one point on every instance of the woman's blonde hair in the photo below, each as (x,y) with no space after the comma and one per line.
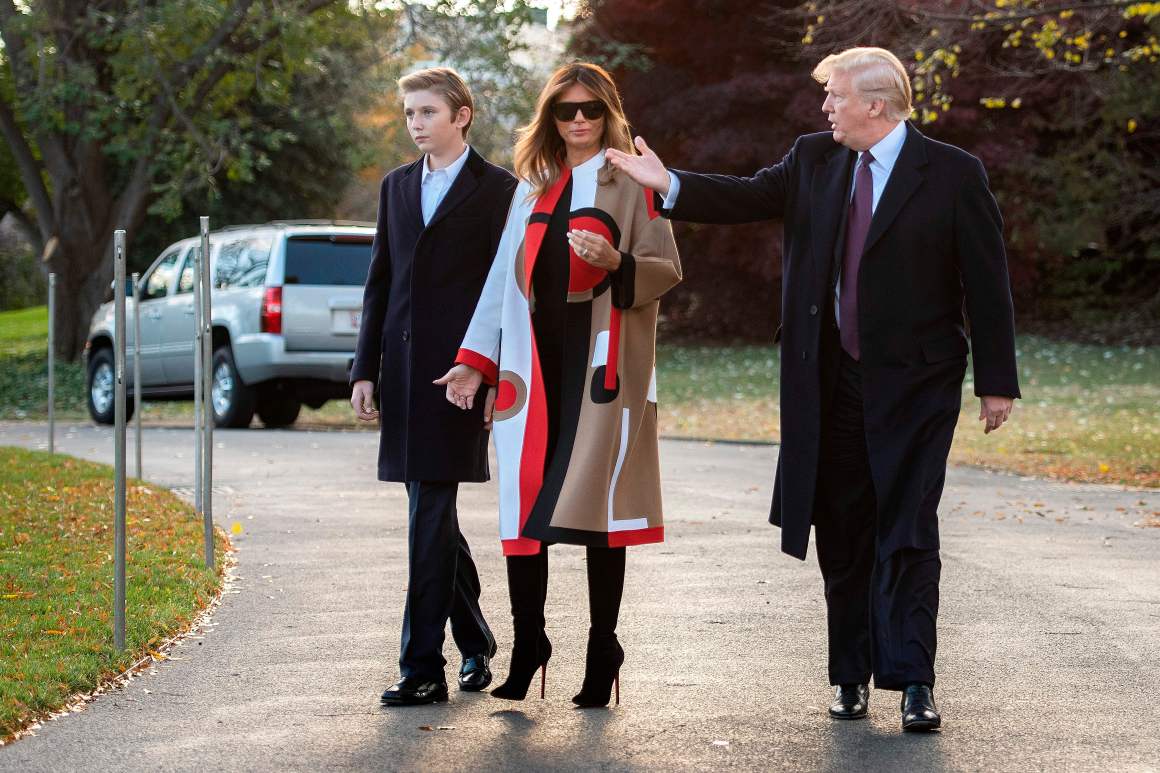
(540,148)
(877,74)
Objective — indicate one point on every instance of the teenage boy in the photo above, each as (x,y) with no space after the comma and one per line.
(439,225)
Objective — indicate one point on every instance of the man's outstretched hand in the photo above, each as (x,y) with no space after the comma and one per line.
(995,410)
(646,168)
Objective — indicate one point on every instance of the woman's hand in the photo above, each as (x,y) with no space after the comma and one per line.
(594,249)
(462,383)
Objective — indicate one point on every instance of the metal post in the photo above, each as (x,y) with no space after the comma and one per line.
(52,363)
(195,257)
(207,391)
(119,440)
(137,365)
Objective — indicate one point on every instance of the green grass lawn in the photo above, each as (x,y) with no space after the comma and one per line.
(1089,412)
(56,579)
(24,369)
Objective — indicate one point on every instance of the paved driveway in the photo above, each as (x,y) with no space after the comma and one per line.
(1048,656)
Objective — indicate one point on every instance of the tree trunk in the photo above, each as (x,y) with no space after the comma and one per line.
(84,271)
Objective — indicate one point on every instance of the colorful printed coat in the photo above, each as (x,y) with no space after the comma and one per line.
(602,483)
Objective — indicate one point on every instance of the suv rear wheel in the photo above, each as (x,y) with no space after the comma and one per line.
(101,386)
(233,401)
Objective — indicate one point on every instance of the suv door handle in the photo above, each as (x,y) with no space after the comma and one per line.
(189,312)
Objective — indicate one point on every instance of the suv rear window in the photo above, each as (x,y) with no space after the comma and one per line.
(339,259)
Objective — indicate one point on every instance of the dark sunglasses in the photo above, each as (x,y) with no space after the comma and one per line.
(566,111)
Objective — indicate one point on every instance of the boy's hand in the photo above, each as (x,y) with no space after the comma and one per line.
(488,408)
(362,399)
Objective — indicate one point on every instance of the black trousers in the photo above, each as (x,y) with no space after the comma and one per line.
(442,584)
(881,610)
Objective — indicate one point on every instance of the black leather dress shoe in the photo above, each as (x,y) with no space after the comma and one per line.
(413,691)
(475,673)
(850,701)
(918,710)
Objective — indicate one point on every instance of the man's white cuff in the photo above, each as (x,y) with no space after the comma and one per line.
(674,190)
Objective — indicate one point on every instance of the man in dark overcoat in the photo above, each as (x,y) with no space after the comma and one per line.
(889,237)
(439,224)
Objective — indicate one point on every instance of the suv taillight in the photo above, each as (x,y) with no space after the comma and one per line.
(272,311)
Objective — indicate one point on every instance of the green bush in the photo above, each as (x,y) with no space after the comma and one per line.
(22,281)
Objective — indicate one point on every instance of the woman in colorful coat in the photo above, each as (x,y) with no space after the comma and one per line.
(565,332)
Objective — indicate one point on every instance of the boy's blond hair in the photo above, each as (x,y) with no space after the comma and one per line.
(446,83)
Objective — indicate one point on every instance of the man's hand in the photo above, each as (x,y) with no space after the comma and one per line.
(462,383)
(488,408)
(995,410)
(646,168)
(362,399)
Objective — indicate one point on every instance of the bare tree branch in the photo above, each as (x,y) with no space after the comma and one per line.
(30,170)
(24,224)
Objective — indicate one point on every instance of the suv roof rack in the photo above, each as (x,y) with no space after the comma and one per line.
(344,223)
(284,223)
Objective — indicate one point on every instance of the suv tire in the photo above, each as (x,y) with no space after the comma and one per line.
(232,401)
(100,388)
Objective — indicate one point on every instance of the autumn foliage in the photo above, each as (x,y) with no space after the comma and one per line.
(1062,108)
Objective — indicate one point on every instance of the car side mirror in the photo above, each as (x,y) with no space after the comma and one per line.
(128,287)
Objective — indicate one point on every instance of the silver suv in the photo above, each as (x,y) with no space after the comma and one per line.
(287,300)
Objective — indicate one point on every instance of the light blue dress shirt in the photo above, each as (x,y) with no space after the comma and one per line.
(885,153)
(437,182)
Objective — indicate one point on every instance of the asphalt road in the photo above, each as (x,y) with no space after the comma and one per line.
(1048,655)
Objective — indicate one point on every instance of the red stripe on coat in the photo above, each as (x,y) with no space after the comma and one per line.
(534,450)
(483,364)
(613,350)
(619,539)
(534,235)
(650,204)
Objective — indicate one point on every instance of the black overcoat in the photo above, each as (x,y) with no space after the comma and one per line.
(421,291)
(934,250)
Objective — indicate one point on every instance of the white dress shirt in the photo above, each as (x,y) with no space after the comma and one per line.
(437,182)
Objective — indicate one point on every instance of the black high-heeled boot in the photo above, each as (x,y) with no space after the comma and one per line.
(601,671)
(605,655)
(527,587)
